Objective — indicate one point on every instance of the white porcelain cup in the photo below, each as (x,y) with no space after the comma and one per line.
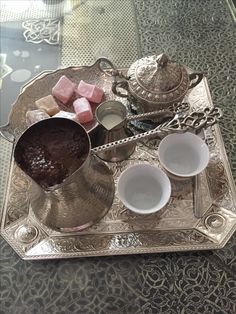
(144,189)
(183,155)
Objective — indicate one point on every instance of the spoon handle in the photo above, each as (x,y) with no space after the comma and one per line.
(129,140)
(154,114)
(196,121)
(197,197)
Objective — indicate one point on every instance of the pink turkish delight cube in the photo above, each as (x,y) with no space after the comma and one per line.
(89,91)
(64,89)
(83,110)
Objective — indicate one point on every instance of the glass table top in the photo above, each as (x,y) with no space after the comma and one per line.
(41,35)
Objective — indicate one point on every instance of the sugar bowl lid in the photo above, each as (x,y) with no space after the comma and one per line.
(158,79)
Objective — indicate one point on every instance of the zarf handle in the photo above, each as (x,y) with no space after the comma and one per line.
(198,120)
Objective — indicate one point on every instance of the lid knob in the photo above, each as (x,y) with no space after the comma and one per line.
(162,60)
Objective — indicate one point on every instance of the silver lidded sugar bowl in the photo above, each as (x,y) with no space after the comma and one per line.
(155,82)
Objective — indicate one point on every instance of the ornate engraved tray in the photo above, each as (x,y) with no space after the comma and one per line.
(120,231)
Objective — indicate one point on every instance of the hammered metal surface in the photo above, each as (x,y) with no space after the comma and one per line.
(101,28)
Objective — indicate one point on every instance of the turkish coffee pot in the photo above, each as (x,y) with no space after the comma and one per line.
(155,82)
(71,189)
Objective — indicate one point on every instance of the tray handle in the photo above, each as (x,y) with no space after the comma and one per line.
(110,70)
(6,133)
(195,79)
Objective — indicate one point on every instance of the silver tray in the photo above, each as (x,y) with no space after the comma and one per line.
(120,231)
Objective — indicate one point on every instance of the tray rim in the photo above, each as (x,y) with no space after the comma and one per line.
(127,251)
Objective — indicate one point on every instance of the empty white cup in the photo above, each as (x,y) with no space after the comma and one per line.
(184,155)
(144,189)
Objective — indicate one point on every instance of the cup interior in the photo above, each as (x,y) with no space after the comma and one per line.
(144,189)
(110,113)
(183,155)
